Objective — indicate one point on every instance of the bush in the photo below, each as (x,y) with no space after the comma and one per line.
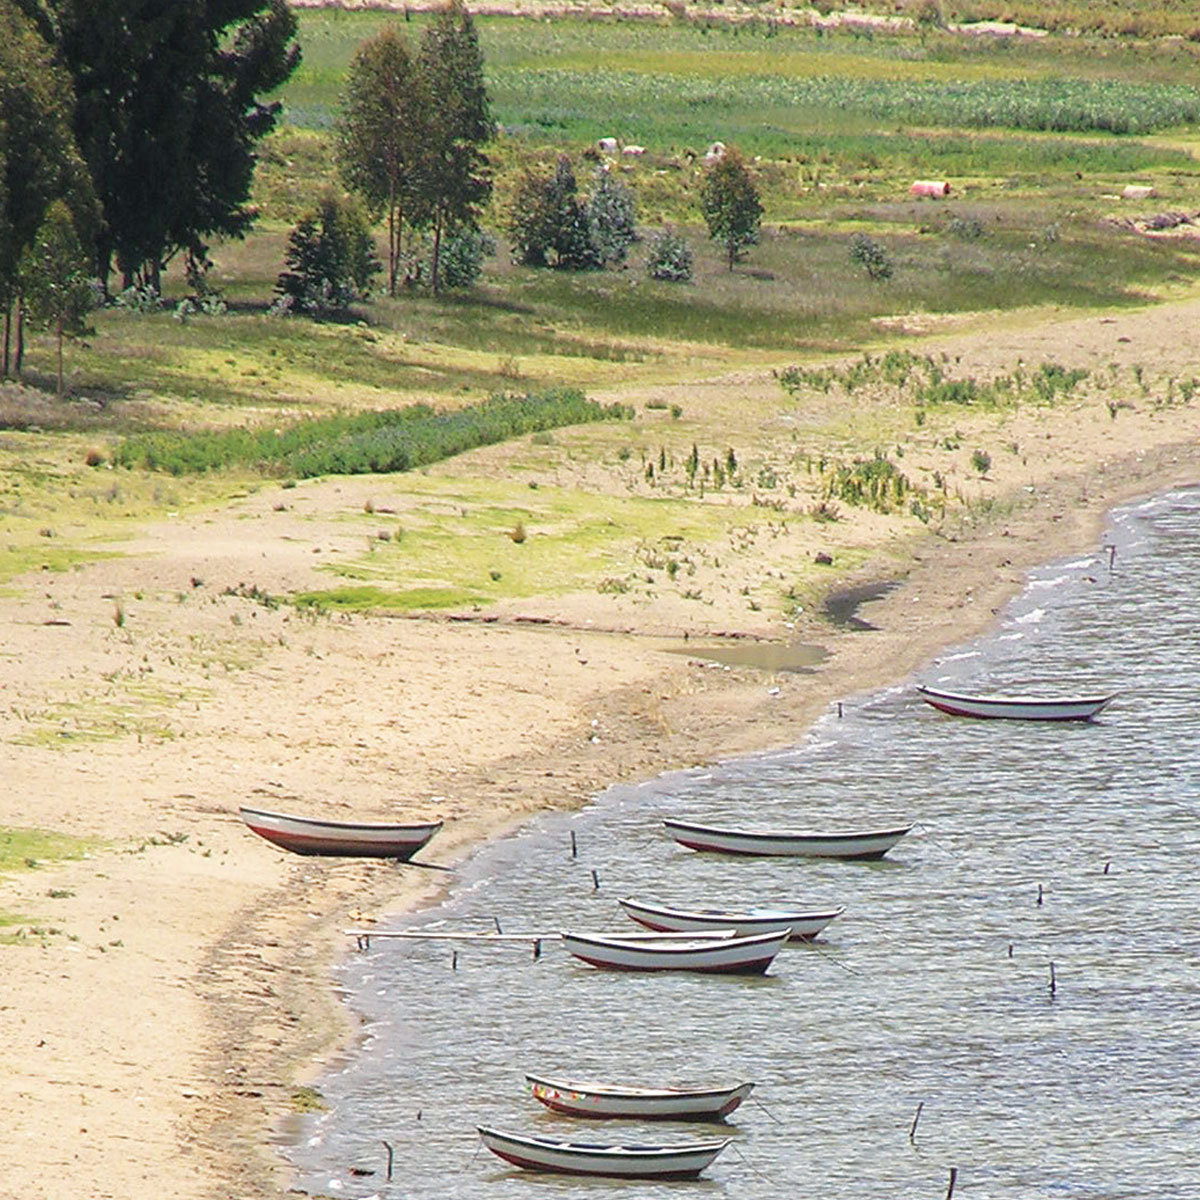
(462,256)
(670,257)
(612,219)
(870,255)
(548,223)
(330,260)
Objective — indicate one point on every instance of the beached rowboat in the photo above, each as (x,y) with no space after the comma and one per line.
(304,835)
(801,925)
(846,843)
(1015,708)
(642,1103)
(717,953)
(684,1160)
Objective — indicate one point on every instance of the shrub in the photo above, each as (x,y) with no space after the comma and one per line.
(362,443)
(330,259)
(548,223)
(462,256)
(612,219)
(871,256)
(670,257)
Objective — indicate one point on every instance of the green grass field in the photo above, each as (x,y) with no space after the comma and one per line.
(1036,136)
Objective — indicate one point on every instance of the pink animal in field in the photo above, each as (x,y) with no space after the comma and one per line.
(930,187)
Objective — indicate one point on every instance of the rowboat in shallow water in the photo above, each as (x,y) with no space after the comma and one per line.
(712,953)
(844,843)
(801,925)
(684,1160)
(1015,708)
(306,835)
(576,1099)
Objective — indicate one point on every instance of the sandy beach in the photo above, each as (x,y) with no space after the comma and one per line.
(170,991)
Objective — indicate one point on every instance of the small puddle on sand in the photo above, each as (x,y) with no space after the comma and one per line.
(765,656)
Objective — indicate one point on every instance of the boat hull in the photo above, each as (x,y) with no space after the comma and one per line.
(303,835)
(1015,708)
(576,1099)
(801,926)
(714,955)
(684,1161)
(863,845)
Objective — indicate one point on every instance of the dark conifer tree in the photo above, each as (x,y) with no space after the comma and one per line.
(168,112)
(39,163)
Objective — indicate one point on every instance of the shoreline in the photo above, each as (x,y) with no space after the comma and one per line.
(1080,533)
(168,995)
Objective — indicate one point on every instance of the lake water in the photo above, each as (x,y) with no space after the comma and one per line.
(932,989)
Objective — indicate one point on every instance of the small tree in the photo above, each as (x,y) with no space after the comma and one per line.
(549,224)
(871,256)
(56,281)
(455,177)
(730,204)
(382,134)
(670,257)
(330,259)
(612,219)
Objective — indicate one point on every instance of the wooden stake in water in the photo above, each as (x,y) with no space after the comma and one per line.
(1053,982)
(1039,903)
(953,1177)
(391,1156)
(574,846)
(912,1133)
(595,880)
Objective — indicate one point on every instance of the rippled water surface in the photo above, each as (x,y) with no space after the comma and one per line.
(932,989)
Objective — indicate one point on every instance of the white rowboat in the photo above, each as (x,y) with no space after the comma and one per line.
(304,835)
(682,1161)
(717,953)
(576,1099)
(862,844)
(801,926)
(1015,708)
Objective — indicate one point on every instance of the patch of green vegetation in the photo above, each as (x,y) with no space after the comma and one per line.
(924,380)
(478,542)
(27,849)
(379,599)
(132,706)
(373,442)
(308,1099)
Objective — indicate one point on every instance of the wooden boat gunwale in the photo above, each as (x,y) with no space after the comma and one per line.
(849,844)
(997,706)
(350,839)
(717,954)
(614,1101)
(663,918)
(535,1152)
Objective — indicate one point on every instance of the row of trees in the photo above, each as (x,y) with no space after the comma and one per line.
(141,121)
(411,132)
(330,260)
